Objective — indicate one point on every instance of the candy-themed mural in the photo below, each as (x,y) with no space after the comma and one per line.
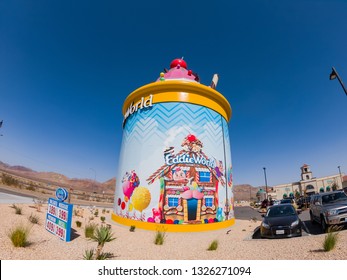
(175,168)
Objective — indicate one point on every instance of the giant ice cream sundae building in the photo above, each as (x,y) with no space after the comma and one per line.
(175,170)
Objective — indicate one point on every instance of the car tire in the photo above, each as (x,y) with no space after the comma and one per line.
(312,218)
(324,225)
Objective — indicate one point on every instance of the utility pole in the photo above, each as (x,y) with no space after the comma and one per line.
(266,196)
(340,177)
(335,75)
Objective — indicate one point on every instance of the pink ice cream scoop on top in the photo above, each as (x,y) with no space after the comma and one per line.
(178,71)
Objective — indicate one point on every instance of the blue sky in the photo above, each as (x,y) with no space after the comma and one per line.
(66,68)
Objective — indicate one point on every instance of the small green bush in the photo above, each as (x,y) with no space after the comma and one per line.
(331,238)
(9,180)
(89,230)
(88,254)
(33,219)
(103,211)
(19,236)
(102,218)
(96,213)
(159,238)
(132,228)
(30,188)
(18,210)
(104,256)
(78,223)
(213,246)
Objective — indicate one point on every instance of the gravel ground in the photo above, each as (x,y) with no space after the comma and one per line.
(235,243)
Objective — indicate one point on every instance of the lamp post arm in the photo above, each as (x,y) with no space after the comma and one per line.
(340,81)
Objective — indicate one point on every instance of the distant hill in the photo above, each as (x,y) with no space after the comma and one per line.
(244,192)
(87,185)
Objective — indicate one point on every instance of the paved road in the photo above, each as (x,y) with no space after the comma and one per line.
(10,197)
(246,213)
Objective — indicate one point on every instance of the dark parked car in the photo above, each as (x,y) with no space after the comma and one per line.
(281,221)
(286,200)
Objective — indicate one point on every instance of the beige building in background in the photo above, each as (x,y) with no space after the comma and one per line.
(308,184)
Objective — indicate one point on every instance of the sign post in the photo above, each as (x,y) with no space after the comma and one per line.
(59,215)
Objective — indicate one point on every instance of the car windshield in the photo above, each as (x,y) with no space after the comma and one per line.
(285,210)
(329,198)
(285,201)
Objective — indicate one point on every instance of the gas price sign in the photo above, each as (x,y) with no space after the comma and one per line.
(58,219)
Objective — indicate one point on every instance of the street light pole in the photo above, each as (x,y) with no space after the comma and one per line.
(265,183)
(340,176)
(335,75)
(250,195)
(94,178)
(1,126)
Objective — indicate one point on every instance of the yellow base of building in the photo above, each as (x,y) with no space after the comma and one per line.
(172,227)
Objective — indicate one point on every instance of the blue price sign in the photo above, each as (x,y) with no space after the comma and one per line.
(59,218)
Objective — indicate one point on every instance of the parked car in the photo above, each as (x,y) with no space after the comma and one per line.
(303,202)
(329,209)
(281,221)
(286,200)
(292,202)
(276,202)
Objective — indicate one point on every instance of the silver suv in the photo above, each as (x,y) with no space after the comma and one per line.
(328,209)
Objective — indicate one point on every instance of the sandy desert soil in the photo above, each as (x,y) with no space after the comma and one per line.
(235,243)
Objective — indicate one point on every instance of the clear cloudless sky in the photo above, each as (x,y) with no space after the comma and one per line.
(66,68)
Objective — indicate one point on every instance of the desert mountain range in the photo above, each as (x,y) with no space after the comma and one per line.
(241,192)
(86,185)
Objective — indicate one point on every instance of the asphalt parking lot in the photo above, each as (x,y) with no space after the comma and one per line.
(248,213)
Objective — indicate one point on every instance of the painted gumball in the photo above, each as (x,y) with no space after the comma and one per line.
(206,221)
(119,201)
(150,220)
(123,205)
(169,221)
(211,220)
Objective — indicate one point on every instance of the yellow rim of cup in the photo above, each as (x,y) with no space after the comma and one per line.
(181,91)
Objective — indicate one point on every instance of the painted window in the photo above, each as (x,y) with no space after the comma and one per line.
(204,176)
(209,202)
(172,201)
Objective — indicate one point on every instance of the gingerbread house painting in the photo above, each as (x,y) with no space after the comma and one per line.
(189,182)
